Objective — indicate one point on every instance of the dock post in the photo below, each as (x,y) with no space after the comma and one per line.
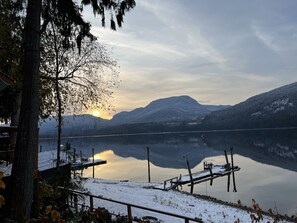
(191,177)
(226,157)
(233,174)
(93,155)
(148,164)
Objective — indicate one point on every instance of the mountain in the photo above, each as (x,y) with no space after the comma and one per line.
(273,109)
(276,108)
(153,118)
(166,109)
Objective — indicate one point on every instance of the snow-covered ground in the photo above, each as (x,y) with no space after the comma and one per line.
(175,202)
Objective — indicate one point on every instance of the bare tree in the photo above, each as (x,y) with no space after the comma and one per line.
(74,79)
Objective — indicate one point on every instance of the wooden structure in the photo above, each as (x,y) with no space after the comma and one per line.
(80,162)
(209,173)
(86,164)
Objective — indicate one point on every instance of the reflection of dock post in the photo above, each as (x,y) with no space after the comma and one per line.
(191,177)
(148,164)
(93,162)
(211,180)
(228,165)
(228,184)
(232,168)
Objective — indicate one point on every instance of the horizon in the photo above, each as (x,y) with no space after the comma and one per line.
(197,48)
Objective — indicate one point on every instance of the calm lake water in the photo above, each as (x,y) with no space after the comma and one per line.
(268,162)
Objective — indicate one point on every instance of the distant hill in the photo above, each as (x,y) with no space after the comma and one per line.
(276,108)
(72,125)
(273,109)
(154,117)
(176,108)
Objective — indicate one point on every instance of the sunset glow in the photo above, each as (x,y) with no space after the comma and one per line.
(96,113)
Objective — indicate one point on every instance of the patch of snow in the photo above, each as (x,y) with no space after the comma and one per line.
(256,113)
(282,108)
(259,144)
(279,105)
(282,151)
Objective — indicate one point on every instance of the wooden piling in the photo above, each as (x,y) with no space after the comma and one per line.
(93,155)
(226,157)
(191,177)
(148,164)
(232,167)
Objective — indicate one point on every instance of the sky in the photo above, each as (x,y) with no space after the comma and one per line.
(217,52)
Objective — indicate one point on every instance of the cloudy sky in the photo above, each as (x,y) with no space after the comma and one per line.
(218,52)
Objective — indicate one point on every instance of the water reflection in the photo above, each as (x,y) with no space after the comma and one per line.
(268,161)
(277,148)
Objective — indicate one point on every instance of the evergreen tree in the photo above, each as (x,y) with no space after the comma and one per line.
(27,138)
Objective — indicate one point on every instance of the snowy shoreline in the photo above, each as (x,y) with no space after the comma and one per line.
(182,203)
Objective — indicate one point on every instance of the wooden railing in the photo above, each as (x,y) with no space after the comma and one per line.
(129,206)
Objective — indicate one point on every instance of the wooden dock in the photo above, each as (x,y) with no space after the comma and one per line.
(209,173)
(199,177)
(80,165)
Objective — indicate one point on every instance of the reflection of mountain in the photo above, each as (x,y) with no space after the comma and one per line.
(273,147)
(278,148)
(168,151)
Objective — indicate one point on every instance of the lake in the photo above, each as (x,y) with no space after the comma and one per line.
(268,162)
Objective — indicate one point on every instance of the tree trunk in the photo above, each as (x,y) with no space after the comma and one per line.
(57,88)
(59,121)
(27,138)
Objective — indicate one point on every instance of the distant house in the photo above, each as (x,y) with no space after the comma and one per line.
(4,81)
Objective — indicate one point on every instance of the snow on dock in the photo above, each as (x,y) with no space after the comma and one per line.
(209,173)
(48,159)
